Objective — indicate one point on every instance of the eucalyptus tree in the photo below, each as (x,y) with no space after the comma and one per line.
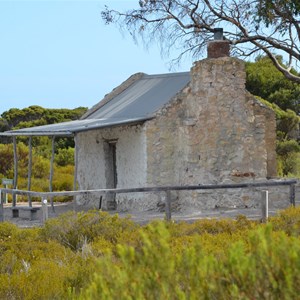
(265,81)
(268,27)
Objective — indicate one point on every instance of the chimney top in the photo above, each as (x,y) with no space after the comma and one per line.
(218,47)
(218,34)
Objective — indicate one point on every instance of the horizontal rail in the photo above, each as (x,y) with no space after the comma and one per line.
(151,189)
(166,189)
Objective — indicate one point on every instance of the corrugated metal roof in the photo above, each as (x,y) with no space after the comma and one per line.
(135,104)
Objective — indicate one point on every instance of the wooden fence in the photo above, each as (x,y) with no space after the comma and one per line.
(166,189)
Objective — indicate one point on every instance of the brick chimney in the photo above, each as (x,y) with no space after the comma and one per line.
(218,47)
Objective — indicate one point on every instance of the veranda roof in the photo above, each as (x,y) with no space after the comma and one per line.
(134,101)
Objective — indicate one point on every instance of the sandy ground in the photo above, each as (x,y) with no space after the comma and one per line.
(140,217)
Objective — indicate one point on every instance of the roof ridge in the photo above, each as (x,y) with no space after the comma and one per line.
(166,74)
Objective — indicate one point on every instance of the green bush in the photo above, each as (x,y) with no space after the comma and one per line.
(35,269)
(287,220)
(40,167)
(289,165)
(74,230)
(93,255)
(65,157)
(263,265)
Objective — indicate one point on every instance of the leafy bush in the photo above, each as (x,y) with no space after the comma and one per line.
(263,265)
(287,220)
(287,146)
(34,269)
(288,157)
(65,157)
(93,255)
(74,230)
(63,182)
(265,81)
(7,230)
(40,167)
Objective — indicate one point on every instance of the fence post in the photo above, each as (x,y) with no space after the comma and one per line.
(1,207)
(168,205)
(44,210)
(265,206)
(5,198)
(292,194)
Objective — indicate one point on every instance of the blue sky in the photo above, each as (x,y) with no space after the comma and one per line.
(59,54)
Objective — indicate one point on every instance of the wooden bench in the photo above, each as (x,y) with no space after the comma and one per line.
(32,210)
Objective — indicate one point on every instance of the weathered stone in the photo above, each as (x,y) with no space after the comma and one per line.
(229,139)
(213,131)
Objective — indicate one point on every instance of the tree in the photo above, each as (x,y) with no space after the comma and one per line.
(36,115)
(265,81)
(268,26)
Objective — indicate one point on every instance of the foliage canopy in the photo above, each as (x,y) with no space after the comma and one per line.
(35,115)
(265,81)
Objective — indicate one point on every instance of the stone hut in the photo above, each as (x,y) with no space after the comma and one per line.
(190,128)
(198,127)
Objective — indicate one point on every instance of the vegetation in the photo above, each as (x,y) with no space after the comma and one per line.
(283,96)
(63,168)
(93,255)
(41,152)
(35,116)
(265,81)
(251,27)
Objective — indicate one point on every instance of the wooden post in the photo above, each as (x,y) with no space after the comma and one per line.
(168,205)
(29,169)
(265,206)
(5,197)
(44,210)
(51,172)
(1,207)
(15,171)
(75,172)
(292,194)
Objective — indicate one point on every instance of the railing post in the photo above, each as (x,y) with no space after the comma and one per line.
(168,205)
(265,206)
(15,186)
(29,170)
(5,198)
(292,194)
(51,173)
(44,210)
(1,207)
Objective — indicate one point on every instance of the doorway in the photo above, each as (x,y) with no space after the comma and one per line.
(111,175)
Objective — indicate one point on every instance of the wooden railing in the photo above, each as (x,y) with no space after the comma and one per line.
(166,189)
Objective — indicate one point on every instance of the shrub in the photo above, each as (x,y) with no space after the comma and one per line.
(65,157)
(74,230)
(34,269)
(93,255)
(7,230)
(266,265)
(40,167)
(287,220)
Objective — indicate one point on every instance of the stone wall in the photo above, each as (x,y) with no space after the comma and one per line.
(130,163)
(214,131)
(234,198)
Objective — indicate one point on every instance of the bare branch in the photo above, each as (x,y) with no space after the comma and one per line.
(188,25)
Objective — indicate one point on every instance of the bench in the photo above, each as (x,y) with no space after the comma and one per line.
(32,210)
